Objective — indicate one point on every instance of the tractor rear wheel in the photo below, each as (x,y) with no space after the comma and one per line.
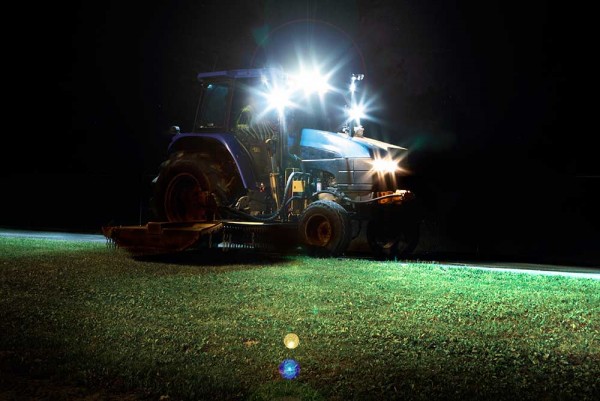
(324,229)
(191,188)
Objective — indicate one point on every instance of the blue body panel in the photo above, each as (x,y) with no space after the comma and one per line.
(334,145)
(234,148)
(339,144)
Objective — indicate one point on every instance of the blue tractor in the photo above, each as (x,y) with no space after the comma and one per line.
(277,162)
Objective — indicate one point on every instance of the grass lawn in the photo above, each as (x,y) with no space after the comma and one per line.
(81,321)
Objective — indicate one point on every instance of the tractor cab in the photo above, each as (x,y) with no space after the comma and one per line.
(267,112)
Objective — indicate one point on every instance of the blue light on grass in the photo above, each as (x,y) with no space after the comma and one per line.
(289,369)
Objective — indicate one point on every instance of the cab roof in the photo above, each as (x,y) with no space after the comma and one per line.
(243,73)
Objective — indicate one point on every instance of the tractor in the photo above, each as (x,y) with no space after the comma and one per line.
(277,162)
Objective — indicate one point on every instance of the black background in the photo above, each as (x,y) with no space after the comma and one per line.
(496,102)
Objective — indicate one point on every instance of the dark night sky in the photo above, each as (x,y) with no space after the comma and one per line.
(492,78)
(491,97)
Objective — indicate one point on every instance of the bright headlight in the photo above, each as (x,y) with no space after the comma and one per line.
(278,99)
(314,82)
(384,166)
(356,112)
(283,95)
(310,81)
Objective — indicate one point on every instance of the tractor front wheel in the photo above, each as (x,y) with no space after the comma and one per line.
(324,229)
(392,239)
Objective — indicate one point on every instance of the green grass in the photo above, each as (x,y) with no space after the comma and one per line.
(76,318)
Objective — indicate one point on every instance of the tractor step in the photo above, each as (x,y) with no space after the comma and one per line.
(260,236)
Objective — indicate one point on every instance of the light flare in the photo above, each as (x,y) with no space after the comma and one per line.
(291,340)
(289,369)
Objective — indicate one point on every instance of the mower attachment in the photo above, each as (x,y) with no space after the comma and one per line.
(163,237)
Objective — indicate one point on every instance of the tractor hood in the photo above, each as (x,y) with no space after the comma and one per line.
(316,144)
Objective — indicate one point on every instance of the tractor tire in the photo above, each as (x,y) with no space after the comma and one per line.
(324,229)
(191,188)
(391,240)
